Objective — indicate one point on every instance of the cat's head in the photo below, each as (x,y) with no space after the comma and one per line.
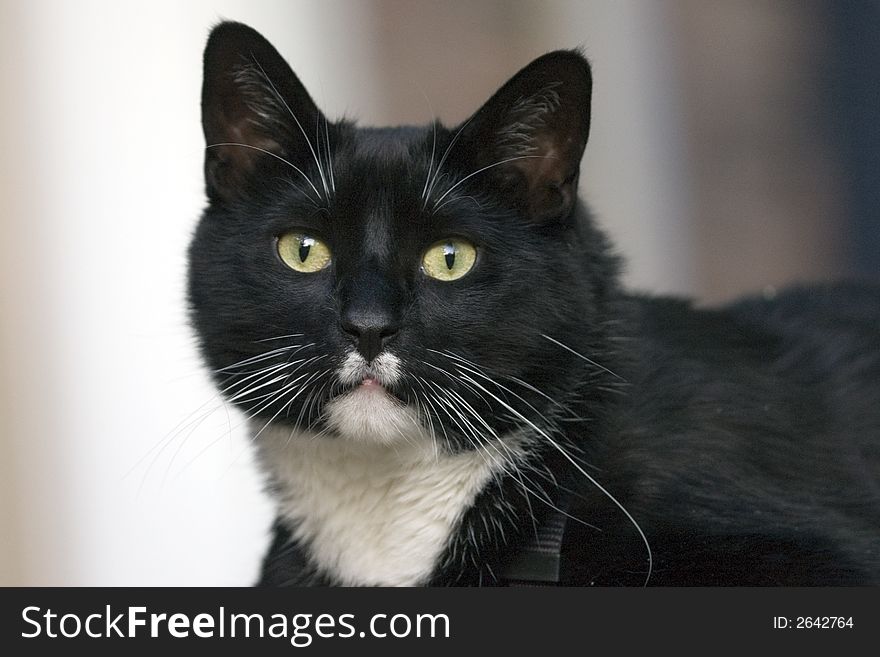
(381,284)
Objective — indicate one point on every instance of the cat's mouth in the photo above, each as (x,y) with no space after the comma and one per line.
(381,376)
(369,382)
(385,370)
(369,386)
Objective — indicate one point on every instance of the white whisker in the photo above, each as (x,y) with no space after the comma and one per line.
(591,362)
(301,129)
(443,160)
(329,157)
(277,157)
(281,337)
(471,175)
(565,454)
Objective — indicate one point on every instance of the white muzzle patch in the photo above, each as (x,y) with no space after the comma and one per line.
(369,413)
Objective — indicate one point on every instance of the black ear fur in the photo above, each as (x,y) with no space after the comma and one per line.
(533,132)
(253,106)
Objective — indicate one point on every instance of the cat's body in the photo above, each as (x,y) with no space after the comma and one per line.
(426,329)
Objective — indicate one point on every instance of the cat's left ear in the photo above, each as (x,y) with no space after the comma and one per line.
(533,131)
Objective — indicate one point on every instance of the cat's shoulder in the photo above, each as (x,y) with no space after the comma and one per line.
(824,331)
(847,306)
(852,305)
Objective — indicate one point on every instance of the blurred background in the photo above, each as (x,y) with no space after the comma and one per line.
(734,149)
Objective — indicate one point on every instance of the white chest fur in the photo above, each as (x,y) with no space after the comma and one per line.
(368,513)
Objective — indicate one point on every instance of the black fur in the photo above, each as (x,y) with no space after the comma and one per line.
(743,441)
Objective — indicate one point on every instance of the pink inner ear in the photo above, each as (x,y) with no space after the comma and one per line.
(243,143)
(550,171)
(239,145)
(235,140)
(539,123)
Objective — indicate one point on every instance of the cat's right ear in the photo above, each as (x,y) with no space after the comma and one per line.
(253,107)
(532,133)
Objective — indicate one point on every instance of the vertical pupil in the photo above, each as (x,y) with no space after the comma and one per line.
(305,245)
(449,255)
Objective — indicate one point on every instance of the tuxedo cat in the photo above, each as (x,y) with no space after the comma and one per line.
(425,329)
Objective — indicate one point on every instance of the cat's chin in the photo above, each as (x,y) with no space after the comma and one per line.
(370,414)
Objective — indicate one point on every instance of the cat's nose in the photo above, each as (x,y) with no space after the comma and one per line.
(370,331)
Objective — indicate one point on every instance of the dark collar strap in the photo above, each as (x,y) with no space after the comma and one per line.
(539,561)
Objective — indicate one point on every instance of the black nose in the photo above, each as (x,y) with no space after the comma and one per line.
(370,331)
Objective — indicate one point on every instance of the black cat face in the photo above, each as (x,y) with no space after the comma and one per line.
(374,283)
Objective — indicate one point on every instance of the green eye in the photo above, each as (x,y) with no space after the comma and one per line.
(449,260)
(303,252)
